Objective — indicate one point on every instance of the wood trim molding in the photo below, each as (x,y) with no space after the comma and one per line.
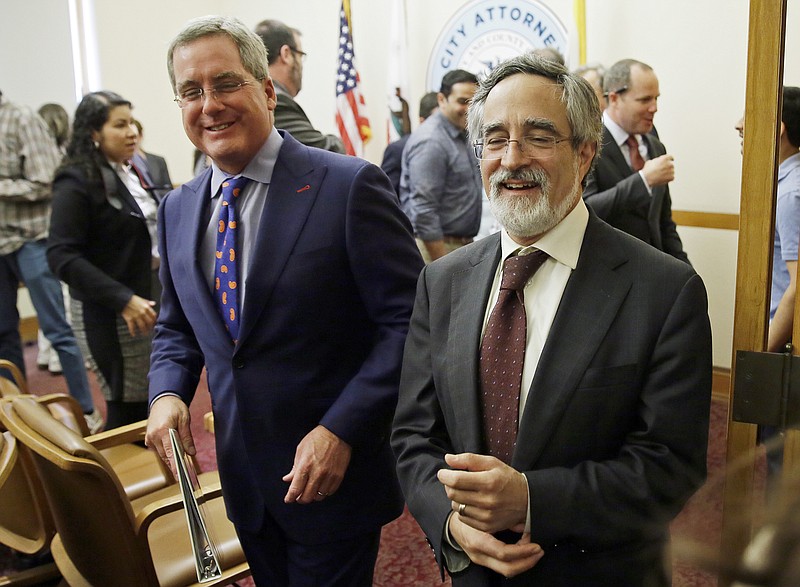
(706,219)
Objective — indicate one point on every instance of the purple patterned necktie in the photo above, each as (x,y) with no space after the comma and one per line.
(503,356)
(226,285)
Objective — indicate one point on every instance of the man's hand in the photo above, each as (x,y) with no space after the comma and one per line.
(659,171)
(484,549)
(494,495)
(168,412)
(320,463)
(139,315)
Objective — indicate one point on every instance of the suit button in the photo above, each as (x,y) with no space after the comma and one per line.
(238,362)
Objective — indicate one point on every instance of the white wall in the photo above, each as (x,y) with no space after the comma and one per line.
(698,50)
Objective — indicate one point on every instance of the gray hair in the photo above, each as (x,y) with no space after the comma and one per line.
(583,111)
(251,49)
(618,75)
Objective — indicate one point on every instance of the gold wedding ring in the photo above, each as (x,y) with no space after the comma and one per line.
(461,509)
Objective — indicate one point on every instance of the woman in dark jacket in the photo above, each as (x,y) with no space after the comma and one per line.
(101,243)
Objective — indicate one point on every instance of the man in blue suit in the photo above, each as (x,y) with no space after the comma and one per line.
(304,395)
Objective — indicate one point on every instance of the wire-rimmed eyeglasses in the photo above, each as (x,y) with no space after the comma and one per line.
(191,96)
(533,146)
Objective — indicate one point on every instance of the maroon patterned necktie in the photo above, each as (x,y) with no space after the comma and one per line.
(503,355)
(636,157)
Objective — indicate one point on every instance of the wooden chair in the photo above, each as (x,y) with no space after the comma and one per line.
(104,538)
(17,378)
(140,470)
(24,526)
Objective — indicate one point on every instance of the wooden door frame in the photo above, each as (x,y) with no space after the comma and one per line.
(766,41)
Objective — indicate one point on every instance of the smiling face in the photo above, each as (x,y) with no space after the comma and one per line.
(454,107)
(117,137)
(230,128)
(635,108)
(530,196)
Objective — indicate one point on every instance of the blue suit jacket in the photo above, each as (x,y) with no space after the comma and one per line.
(323,324)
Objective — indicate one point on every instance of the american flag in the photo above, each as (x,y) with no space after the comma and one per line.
(351,116)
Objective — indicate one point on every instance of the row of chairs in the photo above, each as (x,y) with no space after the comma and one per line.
(107,508)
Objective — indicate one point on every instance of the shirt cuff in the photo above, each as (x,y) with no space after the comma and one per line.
(644,181)
(455,559)
(528,514)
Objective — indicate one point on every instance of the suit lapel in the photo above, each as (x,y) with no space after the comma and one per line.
(293,189)
(469,290)
(588,307)
(613,154)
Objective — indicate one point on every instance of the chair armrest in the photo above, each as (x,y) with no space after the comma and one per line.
(162,507)
(126,434)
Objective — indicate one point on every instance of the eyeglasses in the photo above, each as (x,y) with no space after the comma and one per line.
(193,95)
(532,146)
(302,54)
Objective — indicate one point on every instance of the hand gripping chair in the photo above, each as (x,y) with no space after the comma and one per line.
(104,538)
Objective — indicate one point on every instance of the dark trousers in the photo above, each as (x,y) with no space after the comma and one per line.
(10,342)
(277,561)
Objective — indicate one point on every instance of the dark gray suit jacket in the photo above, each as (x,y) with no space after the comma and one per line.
(618,195)
(614,434)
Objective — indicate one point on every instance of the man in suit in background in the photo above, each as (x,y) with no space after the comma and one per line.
(286,56)
(392,156)
(151,168)
(629,187)
(569,471)
(303,379)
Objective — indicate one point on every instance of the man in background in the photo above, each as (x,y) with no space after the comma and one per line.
(28,161)
(392,156)
(151,168)
(300,327)
(594,74)
(286,56)
(629,187)
(440,185)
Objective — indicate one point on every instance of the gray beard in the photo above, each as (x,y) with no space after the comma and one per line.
(523,216)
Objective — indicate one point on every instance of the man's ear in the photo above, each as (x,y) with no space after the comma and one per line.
(285,52)
(269,90)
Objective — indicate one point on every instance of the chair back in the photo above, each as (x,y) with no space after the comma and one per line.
(25,521)
(92,515)
(17,378)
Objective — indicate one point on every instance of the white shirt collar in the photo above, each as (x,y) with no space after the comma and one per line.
(259,168)
(619,134)
(562,242)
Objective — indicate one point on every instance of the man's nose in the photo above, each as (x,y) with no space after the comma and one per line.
(513,157)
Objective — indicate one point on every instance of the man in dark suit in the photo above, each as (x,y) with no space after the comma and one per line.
(629,187)
(286,56)
(392,155)
(151,168)
(304,394)
(606,414)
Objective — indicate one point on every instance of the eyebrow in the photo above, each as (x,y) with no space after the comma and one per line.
(529,124)
(222,76)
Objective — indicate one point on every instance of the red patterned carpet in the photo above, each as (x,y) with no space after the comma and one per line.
(404,558)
